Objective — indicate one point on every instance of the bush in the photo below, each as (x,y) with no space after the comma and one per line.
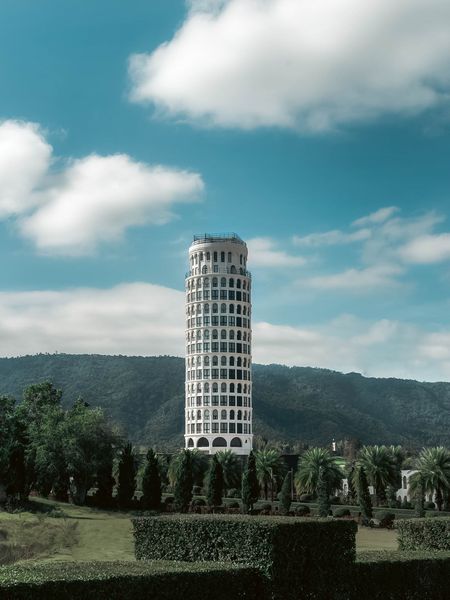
(430,505)
(341,512)
(169,500)
(233,493)
(198,502)
(197,490)
(234,505)
(335,500)
(400,576)
(306,498)
(302,510)
(424,534)
(406,503)
(129,581)
(386,519)
(284,549)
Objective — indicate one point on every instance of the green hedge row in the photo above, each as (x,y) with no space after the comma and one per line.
(424,534)
(129,581)
(400,576)
(298,556)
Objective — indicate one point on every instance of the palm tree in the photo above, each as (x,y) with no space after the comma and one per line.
(380,467)
(433,473)
(269,467)
(231,468)
(310,464)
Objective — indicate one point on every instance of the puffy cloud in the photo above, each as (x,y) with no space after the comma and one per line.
(24,160)
(377,217)
(88,200)
(358,280)
(305,64)
(331,238)
(146,319)
(263,253)
(427,249)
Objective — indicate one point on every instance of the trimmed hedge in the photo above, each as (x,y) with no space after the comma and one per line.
(424,534)
(129,581)
(400,576)
(300,557)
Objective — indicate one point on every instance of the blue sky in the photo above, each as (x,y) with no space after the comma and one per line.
(126,129)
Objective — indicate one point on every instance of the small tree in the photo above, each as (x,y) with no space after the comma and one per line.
(183,483)
(285,494)
(151,483)
(362,490)
(214,486)
(323,496)
(250,485)
(419,497)
(127,477)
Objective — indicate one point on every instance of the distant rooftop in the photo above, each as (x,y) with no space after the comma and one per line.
(202,238)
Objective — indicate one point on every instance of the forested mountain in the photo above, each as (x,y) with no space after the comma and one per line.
(292,404)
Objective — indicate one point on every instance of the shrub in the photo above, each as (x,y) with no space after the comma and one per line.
(234,505)
(198,502)
(430,505)
(284,549)
(265,509)
(386,519)
(400,576)
(233,493)
(341,512)
(424,534)
(197,490)
(302,510)
(335,500)
(406,503)
(129,581)
(306,498)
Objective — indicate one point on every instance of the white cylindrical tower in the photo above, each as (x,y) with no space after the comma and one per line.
(218,411)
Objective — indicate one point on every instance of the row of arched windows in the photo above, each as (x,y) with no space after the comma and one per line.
(206,309)
(215,361)
(207,334)
(193,284)
(232,388)
(221,256)
(225,415)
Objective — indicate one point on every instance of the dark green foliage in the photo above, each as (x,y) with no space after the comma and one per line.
(400,576)
(250,485)
(323,498)
(285,494)
(127,476)
(362,490)
(146,396)
(129,581)
(419,500)
(283,548)
(341,512)
(424,534)
(302,510)
(105,484)
(214,487)
(151,483)
(183,483)
(406,503)
(386,519)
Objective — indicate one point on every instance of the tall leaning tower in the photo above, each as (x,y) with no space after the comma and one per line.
(218,411)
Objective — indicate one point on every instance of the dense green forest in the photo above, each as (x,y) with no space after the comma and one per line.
(291,404)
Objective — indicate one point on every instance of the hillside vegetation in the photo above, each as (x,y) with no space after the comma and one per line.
(146,396)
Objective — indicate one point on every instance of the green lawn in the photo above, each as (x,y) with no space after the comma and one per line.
(107,535)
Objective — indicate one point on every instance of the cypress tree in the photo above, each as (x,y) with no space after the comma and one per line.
(151,483)
(323,497)
(250,485)
(285,494)
(419,504)
(214,490)
(127,477)
(364,500)
(183,483)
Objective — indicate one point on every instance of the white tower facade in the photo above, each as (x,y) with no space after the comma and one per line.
(218,410)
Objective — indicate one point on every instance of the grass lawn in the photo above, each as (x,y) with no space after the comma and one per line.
(87,534)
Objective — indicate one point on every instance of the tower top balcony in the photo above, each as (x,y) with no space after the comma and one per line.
(211,238)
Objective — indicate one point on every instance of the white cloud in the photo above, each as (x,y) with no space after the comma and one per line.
(89,200)
(306,64)
(263,253)
(146,319)
(24,161)
(427,249)
(357,280)
(377,217)
(331,238)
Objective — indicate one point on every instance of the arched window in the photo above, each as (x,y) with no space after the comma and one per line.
(232,361)
(206,308)
(215,282)
(245,310)
(231,334)
(245,362)
(231,388)
(239,361)
(206,386)
(215,308)
(238,283)
(223,361)
(223,308)
(245,337)
(239,388)
(206,282)
(223,334)
(207,415)
(233,269)
(239,415)
(239,335)
(206,334)
(198,283)
(190,443)
(245,415)
(223,282)
(202,443)
(231,282)
(199,415)
(215,388)
(204,269)
(219,442)
(223,415)
(223,388)
(215,415)
(215,361)
(245,388)
(208,256)
(231,309)
(236,443)
(231,415)
(199,334)
(405,483)
(244,285)
(215,334)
